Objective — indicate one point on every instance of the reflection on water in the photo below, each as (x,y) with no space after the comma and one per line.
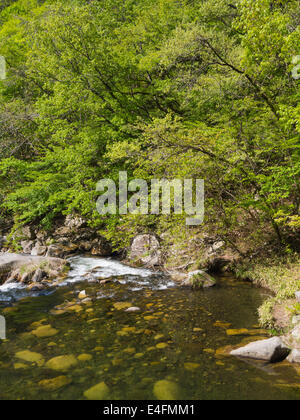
(178,336)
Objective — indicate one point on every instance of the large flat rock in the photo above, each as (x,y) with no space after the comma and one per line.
(10,262)
(271,350)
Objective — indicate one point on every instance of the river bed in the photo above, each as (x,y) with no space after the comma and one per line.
(178,337)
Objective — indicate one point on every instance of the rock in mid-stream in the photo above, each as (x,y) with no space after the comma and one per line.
(199,279)
(271,350)
(26,269)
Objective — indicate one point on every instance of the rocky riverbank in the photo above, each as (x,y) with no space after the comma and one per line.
(67,237)
(44,256)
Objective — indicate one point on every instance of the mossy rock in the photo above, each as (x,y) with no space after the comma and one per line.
(166,390)
(44,331)
(98,392)
(199,280)
(55,383)
(62,363)
(29,356)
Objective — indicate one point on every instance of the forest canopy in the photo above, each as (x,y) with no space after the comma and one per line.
(158,88)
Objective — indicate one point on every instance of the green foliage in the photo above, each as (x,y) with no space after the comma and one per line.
(279,275)
(203,90)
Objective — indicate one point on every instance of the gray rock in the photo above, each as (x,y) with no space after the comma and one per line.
(38,276)
(297,294)
(57,251)
(41,235)
(294,356)
(296,319)
(27,232)
(26,277)
(15,266)
(271,350)
(27,246)
(13,277)
(296,333)
(199,279)
(38,250)
(146,250)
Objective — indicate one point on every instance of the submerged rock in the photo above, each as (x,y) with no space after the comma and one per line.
(44,331)
(29,356)
(55,383)
(166,390)
(98,392)
(84,357)
(199,279)
(241,331)
(20,366)
(122,305)
(191,366)
(62,363)
(271,350)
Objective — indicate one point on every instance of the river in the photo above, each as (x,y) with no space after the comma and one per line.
(179,336)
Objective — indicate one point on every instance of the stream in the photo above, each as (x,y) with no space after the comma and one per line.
(176,345)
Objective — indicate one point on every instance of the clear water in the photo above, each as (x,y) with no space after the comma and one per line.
(177,335)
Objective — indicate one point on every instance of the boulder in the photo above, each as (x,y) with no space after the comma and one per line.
(199,279)
(39,250)
(27,246)
(297,294)
(16,267)
(41,235)
(39,275)
(145,249)
(27,232)
(294,356)
(296,333)
(271,350)
(56,250)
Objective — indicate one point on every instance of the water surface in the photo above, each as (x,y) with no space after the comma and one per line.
(178,335)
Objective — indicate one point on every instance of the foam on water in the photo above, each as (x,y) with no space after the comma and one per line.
(103,268)
(93,268)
